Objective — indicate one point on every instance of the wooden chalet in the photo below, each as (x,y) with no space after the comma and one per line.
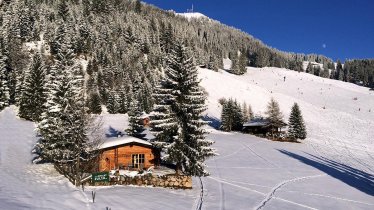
(127,153)
(261,126)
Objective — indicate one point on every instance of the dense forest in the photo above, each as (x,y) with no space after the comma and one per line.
(120,47)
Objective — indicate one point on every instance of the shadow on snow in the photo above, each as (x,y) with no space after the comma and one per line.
(212,121)
(358,179)
(113,132)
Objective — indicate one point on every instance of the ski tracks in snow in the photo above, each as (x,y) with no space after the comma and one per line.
(271,194)
(248,147)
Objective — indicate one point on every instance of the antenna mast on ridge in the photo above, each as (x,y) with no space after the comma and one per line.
(190,10)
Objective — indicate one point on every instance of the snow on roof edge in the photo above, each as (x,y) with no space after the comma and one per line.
(112,142)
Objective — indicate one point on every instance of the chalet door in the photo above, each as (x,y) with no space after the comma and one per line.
(138,161)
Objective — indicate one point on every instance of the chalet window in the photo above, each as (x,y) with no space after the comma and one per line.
(138,160)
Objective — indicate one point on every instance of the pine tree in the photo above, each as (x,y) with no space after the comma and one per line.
(226,116)
(112,104)
(213,63)
(232,116)
(135,117)
(235,68)
(243,63)
(63,10)
(339,71)
(94,103)
(296,126)
(245,112)
(274,115)
(33,97)
(122,100)
(182,107)
(138,6)
(65,125)
(250,112)
(4,89)
(309,68)
(50,129)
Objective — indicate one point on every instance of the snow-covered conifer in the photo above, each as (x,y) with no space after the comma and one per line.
(112,104)
(182,106)
(296,125)
(94,103)
(33,97)
(135,117)
(274,115)
(4,89)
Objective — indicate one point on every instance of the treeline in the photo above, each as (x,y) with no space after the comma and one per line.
(360,72)
(125,43)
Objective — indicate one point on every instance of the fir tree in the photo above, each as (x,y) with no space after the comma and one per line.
(250,112)
(226,116)
(274,115)
(184,104)
(296,126)
(135,118)
(245,110)
(94,103)
(138,6)
(33,97)
(309,68)
(243,62)
(213,63)
(4,89)
(232,116)
(112,105)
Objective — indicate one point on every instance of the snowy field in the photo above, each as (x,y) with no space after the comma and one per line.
(331,169)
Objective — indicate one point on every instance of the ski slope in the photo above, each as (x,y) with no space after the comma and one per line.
(339,116)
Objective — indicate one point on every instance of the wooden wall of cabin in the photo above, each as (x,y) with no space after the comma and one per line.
(121,156)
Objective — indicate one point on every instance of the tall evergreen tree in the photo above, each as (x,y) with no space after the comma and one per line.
(4,89)
(33,97)
(274,115)
(250,112)
(94,103)
(243,63)
(135,117)
(112,104)
(232,116)
(296,125)
(189,148)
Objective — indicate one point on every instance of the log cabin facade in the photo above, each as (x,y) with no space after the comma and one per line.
(127,153)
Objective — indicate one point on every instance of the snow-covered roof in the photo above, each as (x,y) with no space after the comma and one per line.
(112,142)
(256,122)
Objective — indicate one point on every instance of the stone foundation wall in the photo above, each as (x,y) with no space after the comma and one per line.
(167,181)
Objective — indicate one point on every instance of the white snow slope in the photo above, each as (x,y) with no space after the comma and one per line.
(331,169)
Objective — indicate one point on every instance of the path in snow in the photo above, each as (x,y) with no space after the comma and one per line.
(281,176)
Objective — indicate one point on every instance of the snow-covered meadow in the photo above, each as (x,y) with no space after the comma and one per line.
(331,169)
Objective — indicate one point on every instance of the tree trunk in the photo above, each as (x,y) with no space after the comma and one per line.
(178,169)
(77,175)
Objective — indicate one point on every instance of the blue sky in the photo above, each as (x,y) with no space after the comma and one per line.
(339,29)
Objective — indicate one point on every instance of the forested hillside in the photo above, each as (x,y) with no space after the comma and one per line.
(120,46)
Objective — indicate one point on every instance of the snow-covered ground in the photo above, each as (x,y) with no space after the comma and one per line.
(192,15)
(339,116)
(331,169)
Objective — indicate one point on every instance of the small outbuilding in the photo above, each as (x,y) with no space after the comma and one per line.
(127,152)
